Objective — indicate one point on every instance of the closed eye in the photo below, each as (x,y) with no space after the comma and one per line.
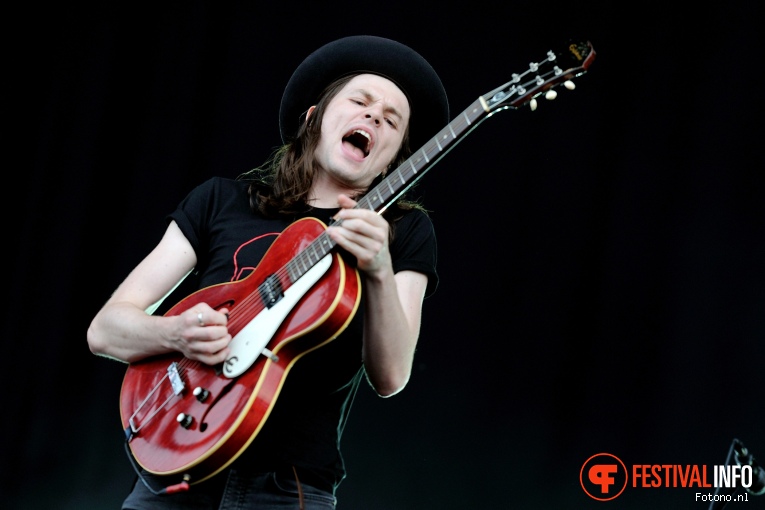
(364,102)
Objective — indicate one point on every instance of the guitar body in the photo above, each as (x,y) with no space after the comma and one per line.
(224,423)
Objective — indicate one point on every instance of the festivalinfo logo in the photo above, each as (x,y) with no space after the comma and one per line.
(604,477)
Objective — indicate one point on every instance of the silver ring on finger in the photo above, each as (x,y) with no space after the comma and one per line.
(199,318)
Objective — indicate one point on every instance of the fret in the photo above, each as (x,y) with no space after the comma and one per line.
(318,256)
(376,197)
(302,266)
(292,271)
(390,187)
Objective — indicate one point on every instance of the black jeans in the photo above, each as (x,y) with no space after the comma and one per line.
(233,491)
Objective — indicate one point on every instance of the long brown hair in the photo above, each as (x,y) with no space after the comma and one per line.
(281,186)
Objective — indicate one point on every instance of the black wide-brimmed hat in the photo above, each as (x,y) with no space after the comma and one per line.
(368,54)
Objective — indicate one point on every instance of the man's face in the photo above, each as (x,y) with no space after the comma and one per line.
(362,130)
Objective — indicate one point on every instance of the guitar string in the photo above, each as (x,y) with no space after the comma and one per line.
(253,304)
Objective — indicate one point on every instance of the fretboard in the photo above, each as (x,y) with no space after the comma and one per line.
(541,76)
(396,183)
(410,171)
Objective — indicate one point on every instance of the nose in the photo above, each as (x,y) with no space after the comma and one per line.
(375,112)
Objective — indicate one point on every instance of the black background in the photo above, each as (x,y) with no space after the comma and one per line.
(601,259)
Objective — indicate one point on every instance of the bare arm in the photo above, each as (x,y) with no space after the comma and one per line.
(123,330)
(393,302)
(391,329)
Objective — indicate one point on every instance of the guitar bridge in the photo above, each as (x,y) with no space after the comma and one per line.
(176,383)
(175,378)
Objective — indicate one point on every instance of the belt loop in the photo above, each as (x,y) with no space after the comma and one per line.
(299,488)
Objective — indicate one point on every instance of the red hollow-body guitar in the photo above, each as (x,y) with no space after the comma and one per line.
(182,416)
(185,418)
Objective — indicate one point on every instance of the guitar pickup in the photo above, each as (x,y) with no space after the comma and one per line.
(271,291)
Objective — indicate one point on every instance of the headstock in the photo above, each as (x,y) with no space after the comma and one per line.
(541,78)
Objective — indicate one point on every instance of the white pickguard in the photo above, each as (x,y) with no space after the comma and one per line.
(252,340)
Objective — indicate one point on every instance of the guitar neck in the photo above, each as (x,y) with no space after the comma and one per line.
(540,77)
(380,197)
(556,67)
(391,188)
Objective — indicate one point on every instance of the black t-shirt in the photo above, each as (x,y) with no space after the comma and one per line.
(305,425)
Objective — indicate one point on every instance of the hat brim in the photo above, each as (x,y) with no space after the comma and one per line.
(368,54)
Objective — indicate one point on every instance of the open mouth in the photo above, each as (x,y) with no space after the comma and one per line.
(360,140)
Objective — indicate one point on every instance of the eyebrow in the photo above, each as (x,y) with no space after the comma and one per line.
(367,95)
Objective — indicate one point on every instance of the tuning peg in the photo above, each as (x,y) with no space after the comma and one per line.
(551,94)
(533,104)
(570,85)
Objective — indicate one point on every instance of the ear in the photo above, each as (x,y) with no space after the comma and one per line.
(309,112)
